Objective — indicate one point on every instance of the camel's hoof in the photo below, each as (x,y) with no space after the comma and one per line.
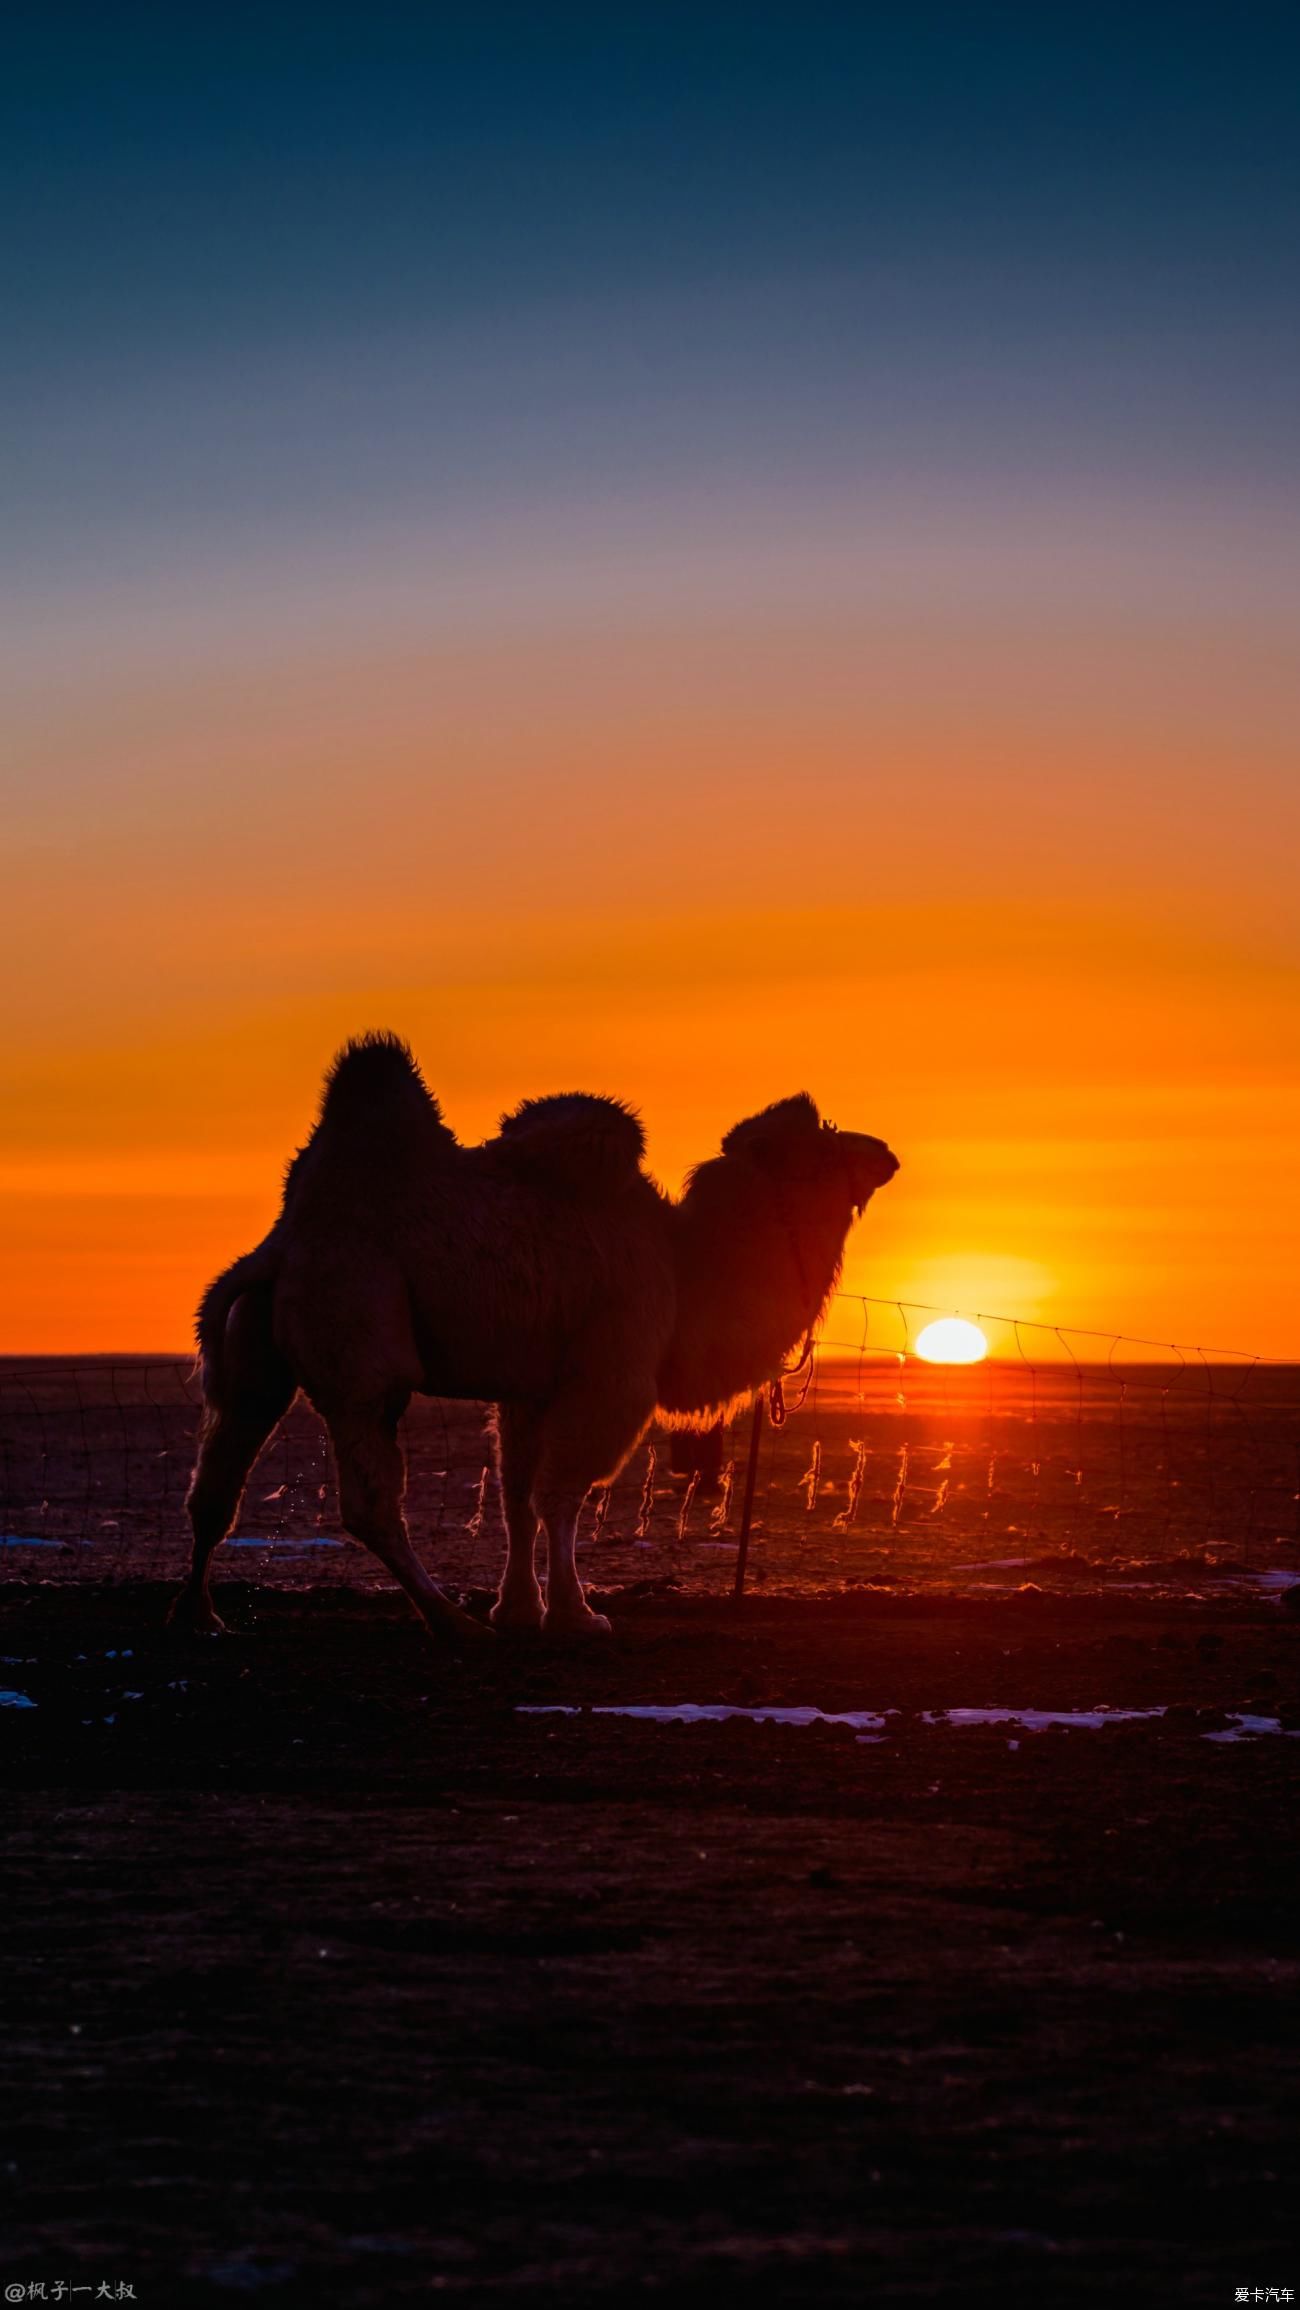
(581,1622)
(195,1616)
(517,1615)
(467,1633)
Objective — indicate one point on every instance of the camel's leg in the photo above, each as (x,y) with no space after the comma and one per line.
(519,1599)
(567,1610)
(372,1478)
(230,1440)
(587,1434)
(250,1389)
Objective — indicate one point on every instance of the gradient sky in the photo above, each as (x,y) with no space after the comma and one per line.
(692,552)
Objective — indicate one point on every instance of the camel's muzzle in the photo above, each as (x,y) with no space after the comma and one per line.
(872,1165)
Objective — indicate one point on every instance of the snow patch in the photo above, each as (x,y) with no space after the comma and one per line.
(1038,1719)
(1248,1727)
(286,1545)
(1274,1583)
(872,1725)
(717,1712)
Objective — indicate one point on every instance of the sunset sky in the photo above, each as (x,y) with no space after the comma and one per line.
(690,552)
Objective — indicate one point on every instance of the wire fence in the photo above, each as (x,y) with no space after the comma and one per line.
(1063,1455)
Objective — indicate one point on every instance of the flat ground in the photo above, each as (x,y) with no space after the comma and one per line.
(333,1977)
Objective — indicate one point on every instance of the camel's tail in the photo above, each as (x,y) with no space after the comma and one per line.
(234,1323)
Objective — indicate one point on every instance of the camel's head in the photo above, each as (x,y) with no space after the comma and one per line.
(792,1144)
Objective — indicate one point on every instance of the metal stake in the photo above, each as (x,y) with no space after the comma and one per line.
(747,1506)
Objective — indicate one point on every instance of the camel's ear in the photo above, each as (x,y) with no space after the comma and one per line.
(767,1136)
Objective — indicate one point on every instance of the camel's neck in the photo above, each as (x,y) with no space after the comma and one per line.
(753,1273)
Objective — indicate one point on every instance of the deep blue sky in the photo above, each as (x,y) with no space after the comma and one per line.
(292,266)
(190,172)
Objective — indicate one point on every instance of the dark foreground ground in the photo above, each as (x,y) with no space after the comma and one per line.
(331,1978)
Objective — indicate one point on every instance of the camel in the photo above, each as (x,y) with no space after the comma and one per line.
(543,1272)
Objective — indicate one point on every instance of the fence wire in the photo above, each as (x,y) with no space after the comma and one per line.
(1064,1455)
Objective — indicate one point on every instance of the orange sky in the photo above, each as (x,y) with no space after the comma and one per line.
(987,847)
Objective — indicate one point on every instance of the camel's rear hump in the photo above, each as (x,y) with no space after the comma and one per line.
(573,1141)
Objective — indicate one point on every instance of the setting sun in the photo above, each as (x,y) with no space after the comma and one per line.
(952,1340)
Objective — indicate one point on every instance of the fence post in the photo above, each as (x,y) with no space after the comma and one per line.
(747,1505)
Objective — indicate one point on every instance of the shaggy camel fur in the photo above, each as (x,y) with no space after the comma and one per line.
(543,1272)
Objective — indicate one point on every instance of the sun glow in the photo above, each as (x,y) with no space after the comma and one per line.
(952,1340)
